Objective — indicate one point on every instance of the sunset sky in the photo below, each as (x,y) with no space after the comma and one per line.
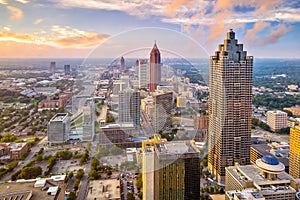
(73,28)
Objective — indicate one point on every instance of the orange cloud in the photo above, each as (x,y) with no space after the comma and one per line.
(259,26)
(23,1)
(3,1)
(16,13)
(276,33)
(38,21)
(171,9)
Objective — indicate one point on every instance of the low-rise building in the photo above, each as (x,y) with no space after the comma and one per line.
(13,151)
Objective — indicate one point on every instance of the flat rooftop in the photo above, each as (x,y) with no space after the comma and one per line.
(59,117)
(18,189)
(176,147)
(100,189)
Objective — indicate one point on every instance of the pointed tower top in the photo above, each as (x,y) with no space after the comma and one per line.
(230,34)
(155,46)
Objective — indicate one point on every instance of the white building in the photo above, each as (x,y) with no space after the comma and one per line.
(277,119)
(143,73)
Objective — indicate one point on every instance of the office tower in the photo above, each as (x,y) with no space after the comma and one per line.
(161,115)
(52,67)
(201,121)
(67,69)
(264,180)
(143,73)
(88,121)
(276,119)
(59,128)
(122,64)
(129,107)
(230,100)
(155,68)
(295,152)
(171,170)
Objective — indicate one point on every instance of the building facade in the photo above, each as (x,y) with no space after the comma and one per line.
(264,180)
(144,73)
(88,121)
(155,68)
(67,69)
(122,64)
(161,111)
(295,152)
(52,67)
(59,128)
(230,100)
(129,107)
(277,119)
(171,170)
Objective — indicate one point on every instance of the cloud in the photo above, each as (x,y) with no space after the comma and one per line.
(16,13)
(259,26)
(3,1)
(22,1)
(276,33)
(38,21)
(172,8)
(6,28)
(63,37)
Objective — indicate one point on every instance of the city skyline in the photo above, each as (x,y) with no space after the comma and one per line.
(73,28)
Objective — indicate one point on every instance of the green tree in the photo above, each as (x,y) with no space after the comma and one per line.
(72,196)
(79,174)
(130,196)
(31,172)
(116,150)
(94,163)
(139,181)
(70,175)
(93,175)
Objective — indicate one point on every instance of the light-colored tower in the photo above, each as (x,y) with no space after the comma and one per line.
(143,73)
(230,103)
(129,107)
(295,152)
(277,119)
(155,68)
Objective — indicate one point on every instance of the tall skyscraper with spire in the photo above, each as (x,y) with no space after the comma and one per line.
(122,64)
(155,68)
(230,100)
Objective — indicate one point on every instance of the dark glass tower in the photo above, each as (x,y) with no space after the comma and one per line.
(155,68)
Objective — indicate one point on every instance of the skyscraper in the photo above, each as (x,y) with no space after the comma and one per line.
(155,68)
(59,128)
(295,152)
(122,64)
(171,170)
(52,67)
(230,103)
(129,107)
(143,73)
(67,69)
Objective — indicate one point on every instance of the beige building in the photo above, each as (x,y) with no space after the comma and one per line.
(201,121)
(265,180)
(295,152)
(181,102)
(144,72)
(276,119)
(230,100)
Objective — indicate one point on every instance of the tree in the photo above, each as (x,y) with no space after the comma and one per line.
(284,130)
(116,150)
(31,172)
(139,181)
(93,175)
(130,196)
(72,196)
(70,175)
(79,174)
(94,163)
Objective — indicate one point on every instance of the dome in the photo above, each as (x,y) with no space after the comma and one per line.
(271,160)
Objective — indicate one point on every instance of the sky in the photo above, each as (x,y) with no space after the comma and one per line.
(111,28)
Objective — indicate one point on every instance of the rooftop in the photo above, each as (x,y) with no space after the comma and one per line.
(59,117)
(104,189)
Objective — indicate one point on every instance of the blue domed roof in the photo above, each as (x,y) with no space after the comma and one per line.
(271,160)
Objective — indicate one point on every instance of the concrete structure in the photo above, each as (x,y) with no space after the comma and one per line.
(279,151)
(143,74)
(295,152)
(181,102)
(155,68)
(230,100)
(52,67)
(161,115)
(276,119)
(171,170)
(129,107)
(59,128)
(201,121)
(104,189)
(265,180)
(122,64)
(67,69)
(13,151)
(88,122)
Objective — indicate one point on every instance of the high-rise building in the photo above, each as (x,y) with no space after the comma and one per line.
(143,73)
(155,68)
(67,69)
(230,100)
(59,128)
(129,107)
(161,115)
(295,152)
(171,170)
(264,180)
(122,64)
(52,67)
(88,121)
(201,121)
(277,119)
